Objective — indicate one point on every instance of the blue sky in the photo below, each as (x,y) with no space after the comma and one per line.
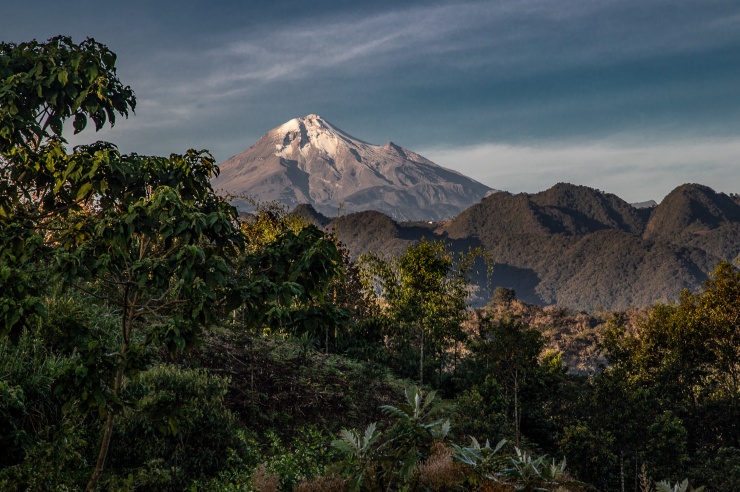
(631,97)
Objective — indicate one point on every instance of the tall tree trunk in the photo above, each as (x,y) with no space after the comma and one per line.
(108,430)
(127,319)
(421,359)
(516,408)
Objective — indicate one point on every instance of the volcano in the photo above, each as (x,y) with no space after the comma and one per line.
(309,160)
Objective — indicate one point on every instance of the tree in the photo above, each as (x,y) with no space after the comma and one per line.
(690,349)
(503,296)
(146,234)
(41,86)
(424,294)
(508,351)
(156,246)
(289,273)
(45,84)
(673,380)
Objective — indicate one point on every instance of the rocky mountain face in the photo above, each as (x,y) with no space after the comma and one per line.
(308,160)
(574,246)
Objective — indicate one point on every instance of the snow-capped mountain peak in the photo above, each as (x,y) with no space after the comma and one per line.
(311,132)
(309,160)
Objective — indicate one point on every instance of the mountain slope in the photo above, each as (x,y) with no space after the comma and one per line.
(309,160)
(695,215)
(563,209)
(691,209)
(574,246)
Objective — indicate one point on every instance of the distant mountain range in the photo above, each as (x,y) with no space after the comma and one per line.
(569,245)
(309,160)
(572,245)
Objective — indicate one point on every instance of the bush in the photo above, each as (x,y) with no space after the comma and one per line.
(177,430)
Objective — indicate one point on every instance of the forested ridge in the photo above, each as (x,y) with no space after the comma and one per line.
(151,339)
(574,246)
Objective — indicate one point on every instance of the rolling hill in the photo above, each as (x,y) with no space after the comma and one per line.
(574,246)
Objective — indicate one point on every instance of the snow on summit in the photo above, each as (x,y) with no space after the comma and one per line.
(309,160)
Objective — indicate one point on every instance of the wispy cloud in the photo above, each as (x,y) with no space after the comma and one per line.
(632,169)
(519,36)
(496,40)
(457,73)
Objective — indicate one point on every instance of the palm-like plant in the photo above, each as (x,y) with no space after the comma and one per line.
(666,486)
(416,411)
(534,474)
(413,433)
(393,464)
(358,454)
(484,461)
(369,465)
(525,472)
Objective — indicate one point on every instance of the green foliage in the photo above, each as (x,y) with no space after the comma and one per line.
(308,456)
(285,277)
(485,461)
(415,430)
(283,465)
(521,470)
(41,86)
(665,486)
(535,473)
(236,474)
(157,245)
(28,373)
(669,399)
(145,234)
(591,454)
(399,458)
(689,350)
(178,423)
(369,464)
(52,462)
(39,447)
(503,296)
(44,84)
(423,294)
(20,283)
(504,369)
(667,445)
(358,455)
(277,385)
(721,471)
(483,411)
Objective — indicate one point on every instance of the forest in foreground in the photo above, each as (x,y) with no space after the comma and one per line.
(150,339)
